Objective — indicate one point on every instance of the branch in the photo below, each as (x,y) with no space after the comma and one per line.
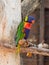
(33,50)
(44,52)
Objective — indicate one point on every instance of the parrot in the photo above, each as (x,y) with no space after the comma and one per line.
(23,30)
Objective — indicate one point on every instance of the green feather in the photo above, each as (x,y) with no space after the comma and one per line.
(19,34)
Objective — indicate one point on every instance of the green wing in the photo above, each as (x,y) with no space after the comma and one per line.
(19,34)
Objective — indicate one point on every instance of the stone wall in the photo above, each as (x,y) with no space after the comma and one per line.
(10,17)
(8,56)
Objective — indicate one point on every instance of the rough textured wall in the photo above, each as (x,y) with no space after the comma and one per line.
(9,57)
(10,17)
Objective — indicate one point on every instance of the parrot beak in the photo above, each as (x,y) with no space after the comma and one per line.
(33,21)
